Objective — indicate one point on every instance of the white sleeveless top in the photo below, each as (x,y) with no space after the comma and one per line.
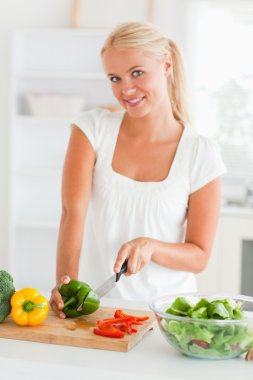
(122,209)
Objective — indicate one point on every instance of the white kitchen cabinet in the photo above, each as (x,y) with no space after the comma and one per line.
(61,62)
(233,249)
(209,279)
(235,232)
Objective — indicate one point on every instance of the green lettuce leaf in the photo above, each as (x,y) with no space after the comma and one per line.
(179,307)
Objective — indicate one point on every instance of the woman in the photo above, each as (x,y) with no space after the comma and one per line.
(152,184)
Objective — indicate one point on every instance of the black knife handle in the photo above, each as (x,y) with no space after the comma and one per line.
(122,270)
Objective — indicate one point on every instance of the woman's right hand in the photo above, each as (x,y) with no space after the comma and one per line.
(56,301)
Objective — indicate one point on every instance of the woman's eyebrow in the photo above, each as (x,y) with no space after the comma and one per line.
(131,68)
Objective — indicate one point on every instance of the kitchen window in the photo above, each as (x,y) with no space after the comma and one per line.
(221,34)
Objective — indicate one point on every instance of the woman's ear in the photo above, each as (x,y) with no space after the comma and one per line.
(168,65)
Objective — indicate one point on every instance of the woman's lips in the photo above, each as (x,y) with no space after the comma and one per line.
(134,101)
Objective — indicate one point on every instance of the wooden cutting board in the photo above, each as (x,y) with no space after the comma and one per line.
(78,331)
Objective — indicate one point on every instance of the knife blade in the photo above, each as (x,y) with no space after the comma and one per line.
(109,284)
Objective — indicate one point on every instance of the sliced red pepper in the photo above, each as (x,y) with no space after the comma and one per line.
(110,333)
(119,325)
(134,319)
(102,324)
(127,327)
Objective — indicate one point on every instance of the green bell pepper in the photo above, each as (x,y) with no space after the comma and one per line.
(79,299)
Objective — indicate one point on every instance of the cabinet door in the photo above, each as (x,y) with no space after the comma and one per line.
(34,264)
(209,280)
(224,272)
(235,230)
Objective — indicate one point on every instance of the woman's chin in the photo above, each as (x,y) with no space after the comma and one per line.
(137,112)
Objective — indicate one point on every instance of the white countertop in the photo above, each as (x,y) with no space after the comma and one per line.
(152,358)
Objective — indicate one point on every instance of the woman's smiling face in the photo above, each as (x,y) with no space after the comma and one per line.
(139,82)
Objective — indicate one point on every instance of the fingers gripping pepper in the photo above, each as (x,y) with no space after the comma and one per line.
(79,299)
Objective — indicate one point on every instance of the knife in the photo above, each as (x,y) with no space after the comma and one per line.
(109,284)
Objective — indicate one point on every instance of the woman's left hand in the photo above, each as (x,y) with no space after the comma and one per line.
(138,253)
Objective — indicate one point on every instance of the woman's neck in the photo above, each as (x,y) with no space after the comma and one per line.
(154,126)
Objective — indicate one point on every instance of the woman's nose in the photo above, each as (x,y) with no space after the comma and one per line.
(128,88)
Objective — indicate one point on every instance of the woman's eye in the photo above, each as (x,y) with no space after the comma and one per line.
(137,73)
(114,79)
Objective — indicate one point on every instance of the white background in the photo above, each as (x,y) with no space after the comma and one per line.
(185,21)
(20,14)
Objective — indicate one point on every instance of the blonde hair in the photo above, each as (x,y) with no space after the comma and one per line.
(145,36)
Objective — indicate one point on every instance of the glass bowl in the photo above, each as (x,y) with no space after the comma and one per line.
(206,338)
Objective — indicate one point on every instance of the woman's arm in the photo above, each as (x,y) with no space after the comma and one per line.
(203,216)
(194,253)
(76,190)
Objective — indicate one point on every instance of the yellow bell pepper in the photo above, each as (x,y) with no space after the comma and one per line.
(28,307)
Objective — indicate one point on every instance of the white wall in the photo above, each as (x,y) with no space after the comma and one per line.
(170,15)
(16,14)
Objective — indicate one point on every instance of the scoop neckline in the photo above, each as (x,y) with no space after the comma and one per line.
(135,182)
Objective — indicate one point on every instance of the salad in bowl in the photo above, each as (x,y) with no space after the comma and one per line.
(210,326)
